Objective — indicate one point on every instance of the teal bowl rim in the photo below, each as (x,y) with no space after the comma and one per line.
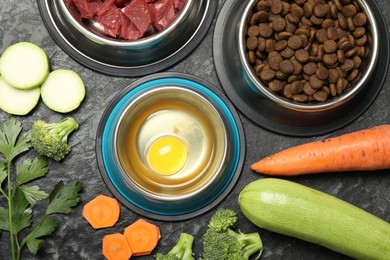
(169,210)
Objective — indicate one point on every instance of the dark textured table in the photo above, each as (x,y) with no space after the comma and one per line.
(75,239)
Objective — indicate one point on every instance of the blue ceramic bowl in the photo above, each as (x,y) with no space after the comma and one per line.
(122,160)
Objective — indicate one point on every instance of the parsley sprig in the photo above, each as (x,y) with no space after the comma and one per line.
(20,195)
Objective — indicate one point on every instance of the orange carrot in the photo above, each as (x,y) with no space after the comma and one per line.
(102,212)
(116,247)
(367,149)
(142,237)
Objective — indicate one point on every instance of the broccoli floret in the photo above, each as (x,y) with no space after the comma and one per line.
(181,251)
(222,220)
(51,139)
(221,242)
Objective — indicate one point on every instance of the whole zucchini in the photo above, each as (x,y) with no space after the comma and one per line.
(298,211)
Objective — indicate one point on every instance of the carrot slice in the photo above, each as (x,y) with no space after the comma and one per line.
(116,247)
(142,236)
(102,212)
(367,149)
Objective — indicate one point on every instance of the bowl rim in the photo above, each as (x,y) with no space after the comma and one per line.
(139,97)
(314,107)
(143,41)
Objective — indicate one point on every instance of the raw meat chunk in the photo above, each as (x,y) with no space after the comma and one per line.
(86,8)
(73,10)
(139,14)
(163,13)
(128,30)
(111,21)
(107,5)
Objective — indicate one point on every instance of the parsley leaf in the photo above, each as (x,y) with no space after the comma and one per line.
(63,198)
(43,228)
(21,213)
(10,145)
(30,170)
(20,221)
(33,193)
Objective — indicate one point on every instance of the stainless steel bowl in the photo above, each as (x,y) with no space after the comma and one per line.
(367,69)
(164,112)
(85,42)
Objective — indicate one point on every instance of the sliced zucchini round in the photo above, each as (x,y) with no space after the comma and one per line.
(17,101)
(24,65)
(63,91)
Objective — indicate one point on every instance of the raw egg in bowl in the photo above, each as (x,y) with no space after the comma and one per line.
(170,146)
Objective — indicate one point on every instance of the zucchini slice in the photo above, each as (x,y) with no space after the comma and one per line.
(63,91)
(24,65)
(17,101)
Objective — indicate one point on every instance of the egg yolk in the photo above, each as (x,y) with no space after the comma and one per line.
(167,155)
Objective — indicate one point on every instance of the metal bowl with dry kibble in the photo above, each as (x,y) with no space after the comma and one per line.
(308,55)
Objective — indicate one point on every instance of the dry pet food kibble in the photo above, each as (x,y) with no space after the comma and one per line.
(308,50)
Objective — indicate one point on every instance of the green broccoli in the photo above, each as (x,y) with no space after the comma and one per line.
(181,251)
(51,139)
(221,242)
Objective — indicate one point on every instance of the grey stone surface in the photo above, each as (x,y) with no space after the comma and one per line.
(75,239)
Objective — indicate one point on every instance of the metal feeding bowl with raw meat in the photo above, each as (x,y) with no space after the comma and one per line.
(132,23)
